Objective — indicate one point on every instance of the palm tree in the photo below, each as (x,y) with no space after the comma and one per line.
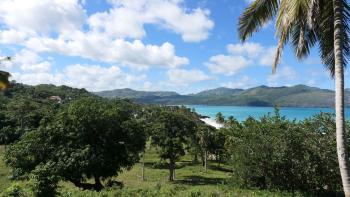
(4,76)
(219,118)
(303,23)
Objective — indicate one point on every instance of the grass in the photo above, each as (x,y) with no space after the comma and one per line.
(191,180)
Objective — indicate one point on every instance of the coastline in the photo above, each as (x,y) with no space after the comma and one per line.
(211,122)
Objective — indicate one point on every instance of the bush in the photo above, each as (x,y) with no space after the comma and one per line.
(275,153)
(13,191)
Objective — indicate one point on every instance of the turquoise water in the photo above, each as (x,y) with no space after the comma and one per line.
(241,113)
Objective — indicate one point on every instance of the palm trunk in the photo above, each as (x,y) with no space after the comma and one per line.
(339,97)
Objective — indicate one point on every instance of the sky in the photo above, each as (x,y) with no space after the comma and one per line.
(171,45)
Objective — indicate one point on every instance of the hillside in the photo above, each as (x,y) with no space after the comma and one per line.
(217,92)
(43,92)
(295,96)
(133,94)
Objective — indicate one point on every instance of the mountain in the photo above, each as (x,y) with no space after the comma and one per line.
(217,92)
(134,94)
(42,94)
(295,96)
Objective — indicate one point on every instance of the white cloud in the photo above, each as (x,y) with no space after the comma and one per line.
(38,78)
(90,77)
(12,36)
(32,23)
(286,76)
(127,18)
(98,78)
(30,61)
(246,49)
(185,77)
(148,86)
(239,57)
(242,83)
(227,65)
(41,16)
(119,51)
(5,65)
(253,51)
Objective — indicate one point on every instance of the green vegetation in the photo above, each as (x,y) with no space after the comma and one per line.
(295,96)
(275,153)
(91,146)
(133,94)
(90,139)
(191,180)
(303,25)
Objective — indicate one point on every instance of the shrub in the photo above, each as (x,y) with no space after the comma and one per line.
(276,153)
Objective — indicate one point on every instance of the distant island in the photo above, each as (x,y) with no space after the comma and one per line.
(294,96)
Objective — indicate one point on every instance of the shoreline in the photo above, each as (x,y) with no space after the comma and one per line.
(212,122)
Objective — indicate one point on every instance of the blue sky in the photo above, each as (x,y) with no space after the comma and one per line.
(184,46)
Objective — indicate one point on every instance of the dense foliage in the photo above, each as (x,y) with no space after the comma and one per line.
(87,141)
(275,153)
(22,107)
(170,133)
(91,138)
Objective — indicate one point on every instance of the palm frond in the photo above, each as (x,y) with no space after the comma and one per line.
(255,16)
(291,26)
(284,36)
(302,39)
(313,12)
(325,32)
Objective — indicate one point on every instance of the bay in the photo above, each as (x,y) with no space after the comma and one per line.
(241,112)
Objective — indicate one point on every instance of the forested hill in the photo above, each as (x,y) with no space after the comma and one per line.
(43,93)
(295,96)
(132,94)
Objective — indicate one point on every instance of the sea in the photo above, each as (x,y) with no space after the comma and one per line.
(241,113)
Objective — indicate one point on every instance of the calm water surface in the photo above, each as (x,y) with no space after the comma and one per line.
(241,113)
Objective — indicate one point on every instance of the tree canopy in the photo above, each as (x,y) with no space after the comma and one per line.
(91,138)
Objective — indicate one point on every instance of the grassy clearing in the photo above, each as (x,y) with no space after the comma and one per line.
(191,180)
(4,171)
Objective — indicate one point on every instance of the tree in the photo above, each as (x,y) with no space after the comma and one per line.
(171,130)
(205,134)
(216,145)
(275,153)
(22,115)
(148,114)
(90,139)
(303,24)
(219,118)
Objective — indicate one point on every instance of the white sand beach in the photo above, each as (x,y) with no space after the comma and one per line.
(212,122)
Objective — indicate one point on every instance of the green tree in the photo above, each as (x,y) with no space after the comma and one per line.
(90,139)
(303,24)
(275,153)
(205,134)
(171,132)
(219,118)
(22,115)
